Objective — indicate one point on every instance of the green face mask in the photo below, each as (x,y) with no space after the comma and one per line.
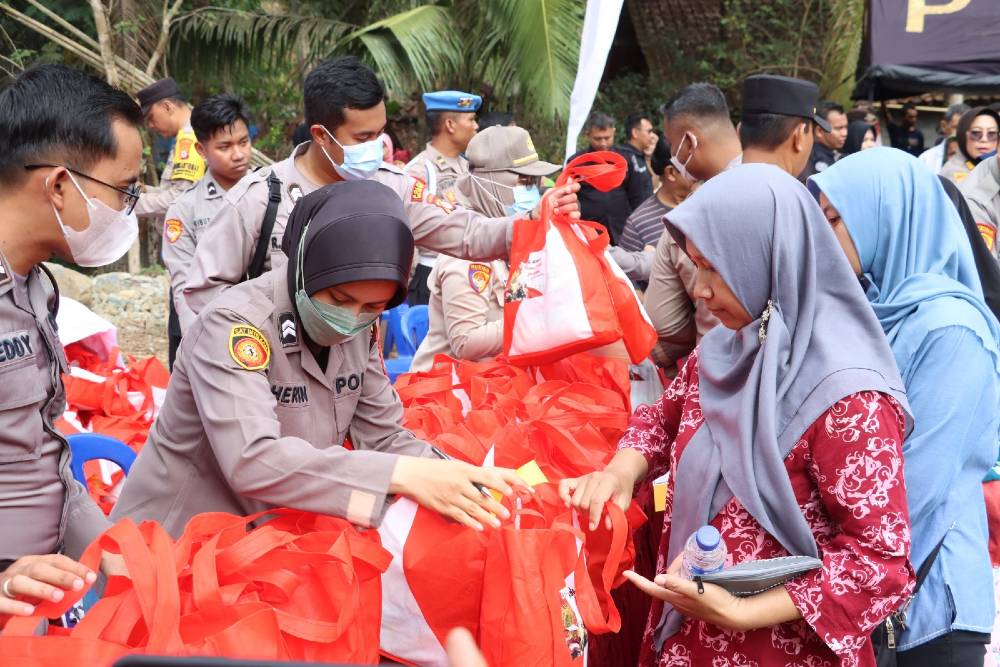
(326,324)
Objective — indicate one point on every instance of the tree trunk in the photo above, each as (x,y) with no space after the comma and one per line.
(160,49)
(104,40)
(841,49)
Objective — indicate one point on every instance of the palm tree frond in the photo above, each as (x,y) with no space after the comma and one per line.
(252,38)
(544,46)
(425,47)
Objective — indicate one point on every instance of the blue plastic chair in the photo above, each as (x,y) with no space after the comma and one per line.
(92,446)
(394,332)
(397,366)
(415,325)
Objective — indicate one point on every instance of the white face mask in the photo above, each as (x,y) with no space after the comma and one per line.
(108,235)
(682,168)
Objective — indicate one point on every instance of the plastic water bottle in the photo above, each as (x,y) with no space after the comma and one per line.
(704,552)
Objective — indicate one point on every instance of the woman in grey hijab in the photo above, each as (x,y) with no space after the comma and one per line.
(783,431)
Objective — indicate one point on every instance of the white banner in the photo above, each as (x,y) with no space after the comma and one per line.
(599,28)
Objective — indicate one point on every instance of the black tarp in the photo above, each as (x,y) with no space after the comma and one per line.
(919,46)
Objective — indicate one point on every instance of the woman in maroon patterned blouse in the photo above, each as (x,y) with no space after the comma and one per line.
(784,431)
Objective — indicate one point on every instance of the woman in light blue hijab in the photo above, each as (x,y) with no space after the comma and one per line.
(904,239)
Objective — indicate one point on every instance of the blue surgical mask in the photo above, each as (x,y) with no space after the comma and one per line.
(326,324)
(526,198)
(361,161)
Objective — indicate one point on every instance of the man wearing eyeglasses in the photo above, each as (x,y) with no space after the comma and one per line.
(70,152)
(166,113)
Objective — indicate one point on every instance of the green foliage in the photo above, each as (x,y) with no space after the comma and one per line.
(777,37)
(519,54)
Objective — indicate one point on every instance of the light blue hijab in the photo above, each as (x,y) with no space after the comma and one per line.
(914,251)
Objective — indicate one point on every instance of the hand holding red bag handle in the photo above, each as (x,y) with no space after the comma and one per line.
(615,483)
(563,200)
(32,579)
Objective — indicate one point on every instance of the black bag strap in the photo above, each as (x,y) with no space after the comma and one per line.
(264,241)
(925,567)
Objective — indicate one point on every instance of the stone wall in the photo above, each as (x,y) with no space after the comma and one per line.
(136,304)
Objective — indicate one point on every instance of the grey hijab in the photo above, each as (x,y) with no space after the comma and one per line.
(765,235)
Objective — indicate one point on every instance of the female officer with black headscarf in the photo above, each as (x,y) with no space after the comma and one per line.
(277,372)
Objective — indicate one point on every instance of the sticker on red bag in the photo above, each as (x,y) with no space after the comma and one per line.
(527,280)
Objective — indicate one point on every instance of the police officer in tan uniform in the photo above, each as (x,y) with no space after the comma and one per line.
(279,371)
(221,124)
(70,152)
(451,119)
(466,304)
(346,114)
(982,192)
(167,114)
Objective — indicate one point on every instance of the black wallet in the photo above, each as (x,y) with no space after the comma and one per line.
(757,576)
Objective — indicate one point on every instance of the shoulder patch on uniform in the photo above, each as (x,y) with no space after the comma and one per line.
(479,276)
(295,192)
(4,275)
(172,230)
(212,190)
(440,203)
(989,234)
(249,348)
(184,148)
(419,188)
(287,329)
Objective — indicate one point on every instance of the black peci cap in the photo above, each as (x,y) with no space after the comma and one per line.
(156,91)
(782,95)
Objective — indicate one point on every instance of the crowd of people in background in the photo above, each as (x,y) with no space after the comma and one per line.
(825,303)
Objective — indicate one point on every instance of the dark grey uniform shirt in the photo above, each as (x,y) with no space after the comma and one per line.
(43,509)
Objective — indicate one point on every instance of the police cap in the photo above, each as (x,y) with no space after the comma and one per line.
(156,91)
(782,95)
(452,100)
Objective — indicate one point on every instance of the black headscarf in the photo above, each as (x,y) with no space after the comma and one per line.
(963,128)
(988,268)
(856,131)
(357,230)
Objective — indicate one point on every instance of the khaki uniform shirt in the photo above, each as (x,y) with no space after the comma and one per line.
(251,421)
(184,167)
(465,311)
(186,221)
(43,509)
(670,303)
(982,192)
(957,169)
(225,251)
(439,172)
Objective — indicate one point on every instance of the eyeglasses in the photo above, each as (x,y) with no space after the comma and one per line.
(979,135)
(129,196)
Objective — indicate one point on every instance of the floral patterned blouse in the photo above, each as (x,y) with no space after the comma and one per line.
(847,473)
